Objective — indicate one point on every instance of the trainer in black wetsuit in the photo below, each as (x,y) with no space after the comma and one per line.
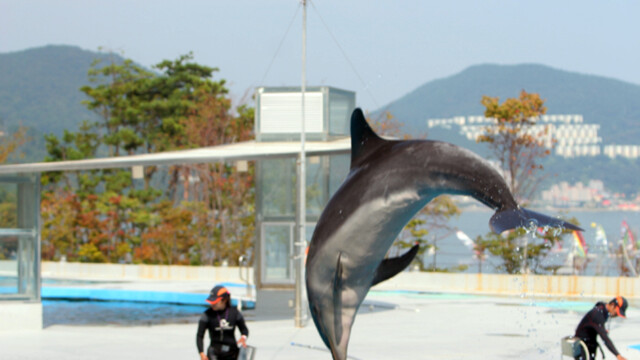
(221,321)
(592,325)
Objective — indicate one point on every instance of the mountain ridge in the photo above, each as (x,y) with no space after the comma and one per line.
(606,101)
(40,87)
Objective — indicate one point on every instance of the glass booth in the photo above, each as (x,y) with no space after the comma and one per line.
(278,118)
(19,238)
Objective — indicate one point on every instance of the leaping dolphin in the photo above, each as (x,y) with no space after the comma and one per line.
(388,183)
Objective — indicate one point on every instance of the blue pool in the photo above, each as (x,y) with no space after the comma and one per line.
(72,302)
(65,312)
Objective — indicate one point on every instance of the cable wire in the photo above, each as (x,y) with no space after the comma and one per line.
(281,42)
(366,87)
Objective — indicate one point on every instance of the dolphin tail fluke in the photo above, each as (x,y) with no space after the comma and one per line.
(389,268)
(520,217)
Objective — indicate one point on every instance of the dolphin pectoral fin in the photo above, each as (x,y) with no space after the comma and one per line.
(389,268)
(337,302)
(514,218)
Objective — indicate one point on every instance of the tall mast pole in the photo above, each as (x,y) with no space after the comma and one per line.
(301,243)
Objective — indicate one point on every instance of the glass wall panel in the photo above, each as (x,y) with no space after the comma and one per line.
(28,205)
(338,170)
(8,266)
(316,197)
(27,277)
(278,242)
(309,229)
(8,205)
(340,107)
(278,187)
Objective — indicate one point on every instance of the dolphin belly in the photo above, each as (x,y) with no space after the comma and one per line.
(370,230)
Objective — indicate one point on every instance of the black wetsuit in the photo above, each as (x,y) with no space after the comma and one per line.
(221,326)
(590,327)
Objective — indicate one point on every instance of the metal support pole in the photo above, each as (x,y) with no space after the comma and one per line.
(301,243)
(525,265)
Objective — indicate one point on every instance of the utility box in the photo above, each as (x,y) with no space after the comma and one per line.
(279,112)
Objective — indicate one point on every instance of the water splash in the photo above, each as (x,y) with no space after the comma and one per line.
(531,226)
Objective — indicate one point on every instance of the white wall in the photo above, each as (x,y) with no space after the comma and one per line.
(500,284)
(69,270)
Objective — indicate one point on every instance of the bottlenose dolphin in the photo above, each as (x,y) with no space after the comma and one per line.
(388,183)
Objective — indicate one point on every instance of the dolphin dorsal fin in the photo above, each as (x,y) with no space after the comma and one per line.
(363,139)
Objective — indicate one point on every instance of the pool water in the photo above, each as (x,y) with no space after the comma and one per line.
(63,312)
(72,302)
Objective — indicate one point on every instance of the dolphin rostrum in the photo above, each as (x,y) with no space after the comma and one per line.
(388,183)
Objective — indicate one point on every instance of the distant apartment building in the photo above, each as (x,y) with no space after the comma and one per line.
(566,195)
(627,151)
(573,137)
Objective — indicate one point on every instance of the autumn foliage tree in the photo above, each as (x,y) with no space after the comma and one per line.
(517,141)
(188,214)
(219,196)
(9,143)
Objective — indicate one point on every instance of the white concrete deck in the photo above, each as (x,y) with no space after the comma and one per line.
(405,326)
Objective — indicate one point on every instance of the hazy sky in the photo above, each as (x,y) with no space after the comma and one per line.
(394,46)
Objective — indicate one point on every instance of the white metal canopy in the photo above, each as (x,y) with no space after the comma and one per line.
(249,150)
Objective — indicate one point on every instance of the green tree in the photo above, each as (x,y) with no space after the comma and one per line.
(79,145)
(509,246)
(427,227)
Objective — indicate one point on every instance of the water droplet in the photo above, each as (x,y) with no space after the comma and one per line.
(531,225)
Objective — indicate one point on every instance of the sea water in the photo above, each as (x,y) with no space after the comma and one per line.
(451,252)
